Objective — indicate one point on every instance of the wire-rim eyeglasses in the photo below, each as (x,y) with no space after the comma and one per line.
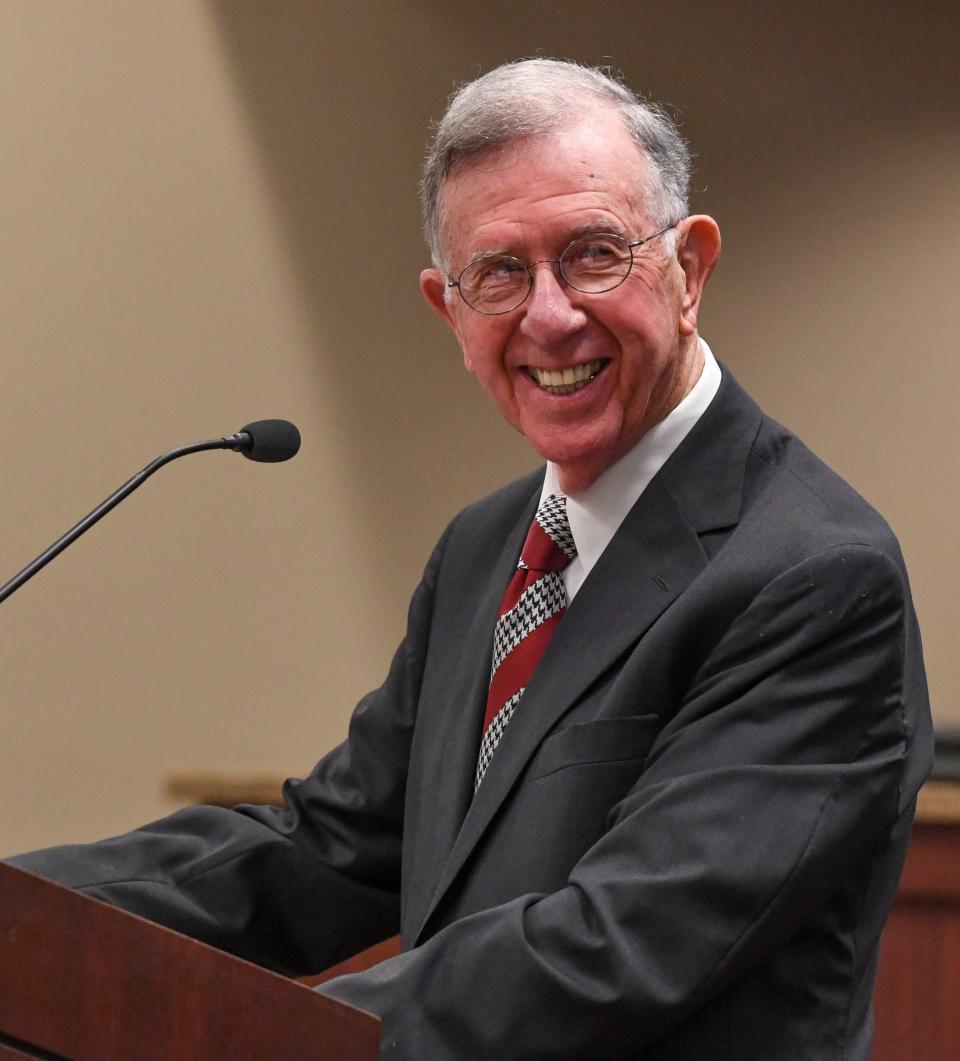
(494,284)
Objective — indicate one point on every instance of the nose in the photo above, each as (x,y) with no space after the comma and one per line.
(549,313)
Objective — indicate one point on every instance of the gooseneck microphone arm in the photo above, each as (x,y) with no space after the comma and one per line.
(265,440)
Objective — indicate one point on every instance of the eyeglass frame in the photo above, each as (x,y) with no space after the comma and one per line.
(529,268)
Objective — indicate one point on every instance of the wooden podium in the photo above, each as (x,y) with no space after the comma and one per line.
(916,993)
(84,981)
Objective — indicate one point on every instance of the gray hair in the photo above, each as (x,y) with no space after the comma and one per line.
(534,97)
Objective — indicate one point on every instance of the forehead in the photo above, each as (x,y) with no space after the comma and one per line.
(526,195)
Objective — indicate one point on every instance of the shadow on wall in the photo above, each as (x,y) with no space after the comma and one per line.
(776,105)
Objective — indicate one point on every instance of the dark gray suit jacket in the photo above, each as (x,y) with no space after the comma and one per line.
(688,840)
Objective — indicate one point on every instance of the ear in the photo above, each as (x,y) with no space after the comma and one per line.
(698,251)
(433,286)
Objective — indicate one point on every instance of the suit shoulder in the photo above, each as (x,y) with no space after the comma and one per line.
(794,487)
(475,535)
(506,504)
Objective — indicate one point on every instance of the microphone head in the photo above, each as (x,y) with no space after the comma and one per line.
(270,441)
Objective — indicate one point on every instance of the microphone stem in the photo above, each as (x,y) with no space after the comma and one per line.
(237,441)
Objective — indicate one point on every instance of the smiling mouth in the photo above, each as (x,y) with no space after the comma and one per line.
(565,380)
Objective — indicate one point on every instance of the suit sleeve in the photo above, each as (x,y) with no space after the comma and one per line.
(298,887)
(779,772)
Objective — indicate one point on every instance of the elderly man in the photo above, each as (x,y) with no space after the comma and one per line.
(641,778)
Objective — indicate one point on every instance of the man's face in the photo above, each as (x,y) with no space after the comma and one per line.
(637,343)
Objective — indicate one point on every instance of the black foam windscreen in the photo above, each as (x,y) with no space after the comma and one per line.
(271,441)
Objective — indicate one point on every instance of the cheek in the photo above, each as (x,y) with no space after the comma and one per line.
(483,352)
(488,368)
(647,354)
(648,327)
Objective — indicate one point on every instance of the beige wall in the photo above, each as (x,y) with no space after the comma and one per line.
(208,214)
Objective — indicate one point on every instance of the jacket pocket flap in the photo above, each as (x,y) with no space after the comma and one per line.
(604,740)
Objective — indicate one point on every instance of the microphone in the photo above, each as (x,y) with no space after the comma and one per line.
(267,441)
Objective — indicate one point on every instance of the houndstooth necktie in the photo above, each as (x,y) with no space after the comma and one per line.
(529,613)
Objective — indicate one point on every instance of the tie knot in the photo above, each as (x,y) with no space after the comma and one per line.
(549,545)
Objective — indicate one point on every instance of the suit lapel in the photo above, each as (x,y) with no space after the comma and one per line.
(650,561)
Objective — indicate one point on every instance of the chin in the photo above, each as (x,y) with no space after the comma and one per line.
(567,448)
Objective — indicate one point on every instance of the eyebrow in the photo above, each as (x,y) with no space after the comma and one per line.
(591,228)
(585,228)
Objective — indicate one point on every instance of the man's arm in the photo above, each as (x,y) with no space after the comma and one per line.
(780,773)
(296,888)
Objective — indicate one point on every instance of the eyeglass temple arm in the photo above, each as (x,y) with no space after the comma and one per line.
(646,239)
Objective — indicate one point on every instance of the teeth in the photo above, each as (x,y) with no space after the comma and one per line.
(567,380)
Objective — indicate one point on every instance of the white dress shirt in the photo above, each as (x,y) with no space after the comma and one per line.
(597,512)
